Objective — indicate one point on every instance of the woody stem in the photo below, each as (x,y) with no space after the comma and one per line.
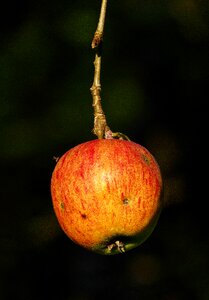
(100,123)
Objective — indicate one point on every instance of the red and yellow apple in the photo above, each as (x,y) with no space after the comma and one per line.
(106,194)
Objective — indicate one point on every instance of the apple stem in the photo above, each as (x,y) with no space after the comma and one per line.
(100,123)
(101,129)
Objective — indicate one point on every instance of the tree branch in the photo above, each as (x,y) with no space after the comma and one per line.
(100,124)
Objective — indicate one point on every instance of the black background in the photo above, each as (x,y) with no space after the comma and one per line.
(154,89)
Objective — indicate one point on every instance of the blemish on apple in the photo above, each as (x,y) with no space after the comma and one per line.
(125,201)
(84,216)
(146,159)
(62,206)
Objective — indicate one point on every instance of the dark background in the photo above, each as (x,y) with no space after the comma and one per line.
(154,89)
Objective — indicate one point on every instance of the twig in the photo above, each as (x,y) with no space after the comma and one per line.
(98,35)
(100,123)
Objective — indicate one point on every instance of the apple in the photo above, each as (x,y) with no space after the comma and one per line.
(106,194)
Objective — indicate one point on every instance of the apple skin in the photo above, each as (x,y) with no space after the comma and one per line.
(106,194)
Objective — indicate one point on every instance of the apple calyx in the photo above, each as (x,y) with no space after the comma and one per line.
(117,244)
